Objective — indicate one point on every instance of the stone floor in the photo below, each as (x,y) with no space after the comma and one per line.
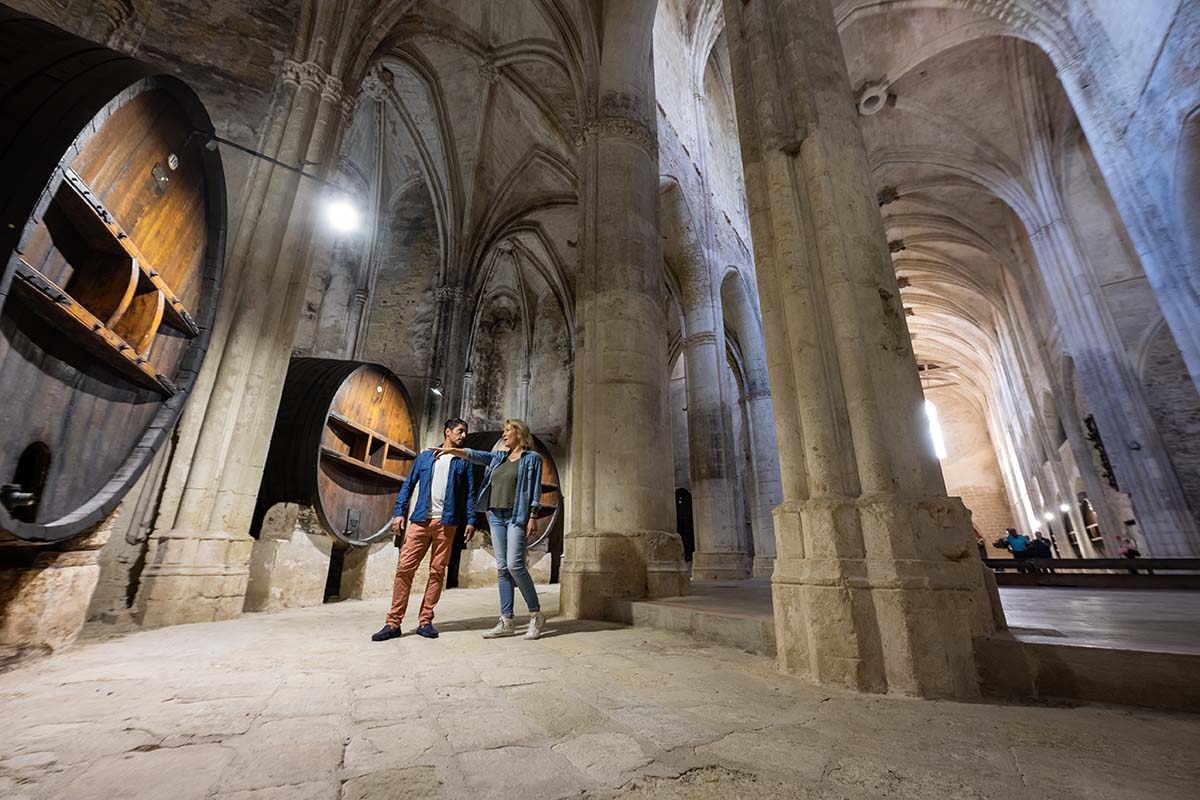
(1153,620)
(1157,620)
(301,705)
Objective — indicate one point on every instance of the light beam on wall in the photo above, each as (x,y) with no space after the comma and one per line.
(935,430)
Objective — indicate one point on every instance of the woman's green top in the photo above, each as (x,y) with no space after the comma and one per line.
(504,485)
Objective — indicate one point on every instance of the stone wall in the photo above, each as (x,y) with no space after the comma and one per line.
(970,467)
(1175,405)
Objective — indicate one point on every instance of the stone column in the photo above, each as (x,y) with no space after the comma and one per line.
(523,400)
(197,562)
(877,584)
(620,542)
(451,330)
(719,554)
(358,311)
(743,318)
(767,491)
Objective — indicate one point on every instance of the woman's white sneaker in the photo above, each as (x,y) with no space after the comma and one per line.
(504,627)
(536,623)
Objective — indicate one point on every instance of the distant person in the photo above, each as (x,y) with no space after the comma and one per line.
(511,491)
(1018,545)
(441,492)
(1040,548)
(1128,549)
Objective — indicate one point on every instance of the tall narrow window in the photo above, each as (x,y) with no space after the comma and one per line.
(935,430)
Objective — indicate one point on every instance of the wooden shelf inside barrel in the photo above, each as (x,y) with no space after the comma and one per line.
(368,450)
(89,207)
(350,424)
(114,300)
(361,466)
(48,300)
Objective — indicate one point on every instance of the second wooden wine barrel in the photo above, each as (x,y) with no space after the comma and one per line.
(550,513)
(343,443)
(112,238)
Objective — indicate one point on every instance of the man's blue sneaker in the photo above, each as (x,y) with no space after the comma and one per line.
(428,631)
(385,633)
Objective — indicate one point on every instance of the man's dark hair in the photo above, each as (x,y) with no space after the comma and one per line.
(454,422)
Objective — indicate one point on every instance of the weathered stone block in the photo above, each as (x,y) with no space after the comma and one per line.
(44,598)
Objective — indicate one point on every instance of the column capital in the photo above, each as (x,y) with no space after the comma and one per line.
(448,294)
(606,127)
(332,89)
(305,74)
(701,338)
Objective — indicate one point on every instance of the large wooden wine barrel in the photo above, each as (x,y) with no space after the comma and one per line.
(112,229)
(550,513)
(343,443)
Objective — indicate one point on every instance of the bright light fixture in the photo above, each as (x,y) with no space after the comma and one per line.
(1048,517)
(436,390)
(1064,508)
(341,214)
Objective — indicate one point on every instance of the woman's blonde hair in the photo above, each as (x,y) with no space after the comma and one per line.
(523,434)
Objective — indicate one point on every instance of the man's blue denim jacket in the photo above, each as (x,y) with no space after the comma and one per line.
(529,481)
(459,505)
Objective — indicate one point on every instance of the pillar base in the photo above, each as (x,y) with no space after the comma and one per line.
(880,594)
(722,566)
(45,592)
(193,576)
(289,565)
(600,567)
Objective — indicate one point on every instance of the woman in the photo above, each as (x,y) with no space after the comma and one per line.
(512,486)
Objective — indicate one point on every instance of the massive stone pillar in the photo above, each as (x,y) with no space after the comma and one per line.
(621,541)
(742,317)
(719,554)
(197,562)
(877,584)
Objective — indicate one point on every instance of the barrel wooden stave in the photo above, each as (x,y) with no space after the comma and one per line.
(319,453)
(65,102)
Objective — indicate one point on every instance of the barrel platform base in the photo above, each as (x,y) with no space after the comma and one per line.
(193,576)
(45,593)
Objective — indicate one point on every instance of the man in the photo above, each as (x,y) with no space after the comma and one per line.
(1018,545)
(441,493)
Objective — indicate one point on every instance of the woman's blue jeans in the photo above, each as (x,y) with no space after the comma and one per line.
(508,542)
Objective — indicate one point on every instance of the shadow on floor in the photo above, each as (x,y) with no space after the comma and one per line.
(554,626)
